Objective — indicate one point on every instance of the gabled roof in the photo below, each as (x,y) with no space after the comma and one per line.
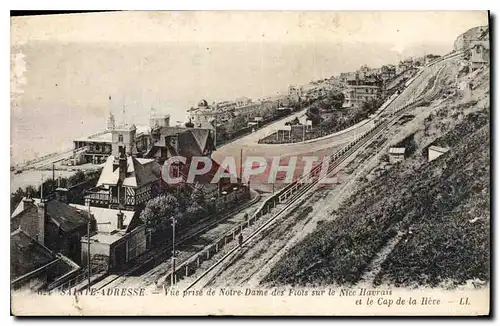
(26,217)
(27,254)
(139,172)
(191,141)
(146,171)
(201,136)
(65,216)
(438,149)
(60,213)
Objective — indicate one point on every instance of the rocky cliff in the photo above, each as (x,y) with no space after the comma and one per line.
(463,40)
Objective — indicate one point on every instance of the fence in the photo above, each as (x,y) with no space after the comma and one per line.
(188,267)
(80,278)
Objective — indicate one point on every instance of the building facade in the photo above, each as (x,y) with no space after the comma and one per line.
(126,182)
(206,116)
(119,238)
(396,154)
(361,89)
(479,54)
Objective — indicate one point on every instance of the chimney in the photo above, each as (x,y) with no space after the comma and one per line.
(42,213)
(122,165)
(62,194)
(119,221)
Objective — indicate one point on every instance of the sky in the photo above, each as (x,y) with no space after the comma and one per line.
(65,67)
(398,28)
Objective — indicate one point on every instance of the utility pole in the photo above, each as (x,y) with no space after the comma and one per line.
(241,165)
(41,191)
(172,275)
(88,243)
(53,172)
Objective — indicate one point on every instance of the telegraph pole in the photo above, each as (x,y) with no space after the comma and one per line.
(241,164)
(88,243)
(172,275)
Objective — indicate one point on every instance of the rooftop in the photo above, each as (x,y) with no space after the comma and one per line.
(107,238)
(139,172)
(397,150)
(62,214)
(438,149)
(27,254)
(191,141)
(106,218)
(142,129)
(104,137)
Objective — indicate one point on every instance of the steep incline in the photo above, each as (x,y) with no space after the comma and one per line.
(439,211)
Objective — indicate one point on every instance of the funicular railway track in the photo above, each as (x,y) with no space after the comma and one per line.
(306,184)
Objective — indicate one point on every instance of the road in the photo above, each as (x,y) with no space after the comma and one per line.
(248,265)
(248,146)
(33,178)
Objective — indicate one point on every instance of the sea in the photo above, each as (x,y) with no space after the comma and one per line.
(61,91)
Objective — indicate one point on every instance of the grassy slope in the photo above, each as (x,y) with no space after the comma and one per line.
(444,245)
(435,199)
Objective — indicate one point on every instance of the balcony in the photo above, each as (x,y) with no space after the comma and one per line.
(97,196)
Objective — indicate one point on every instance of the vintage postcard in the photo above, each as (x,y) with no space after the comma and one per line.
(250,163)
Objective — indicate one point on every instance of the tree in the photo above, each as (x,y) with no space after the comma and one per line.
(195,210)
(198,196)
(76,178)
(158,211)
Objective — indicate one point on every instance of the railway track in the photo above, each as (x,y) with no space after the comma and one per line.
(183,239)
(301,188)
(338,158)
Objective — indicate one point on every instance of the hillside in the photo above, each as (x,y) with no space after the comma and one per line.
(463,40)
(426,222)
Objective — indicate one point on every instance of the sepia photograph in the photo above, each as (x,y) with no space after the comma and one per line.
(272,163)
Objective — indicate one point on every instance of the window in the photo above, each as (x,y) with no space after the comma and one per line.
(478,49)
(120,138)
